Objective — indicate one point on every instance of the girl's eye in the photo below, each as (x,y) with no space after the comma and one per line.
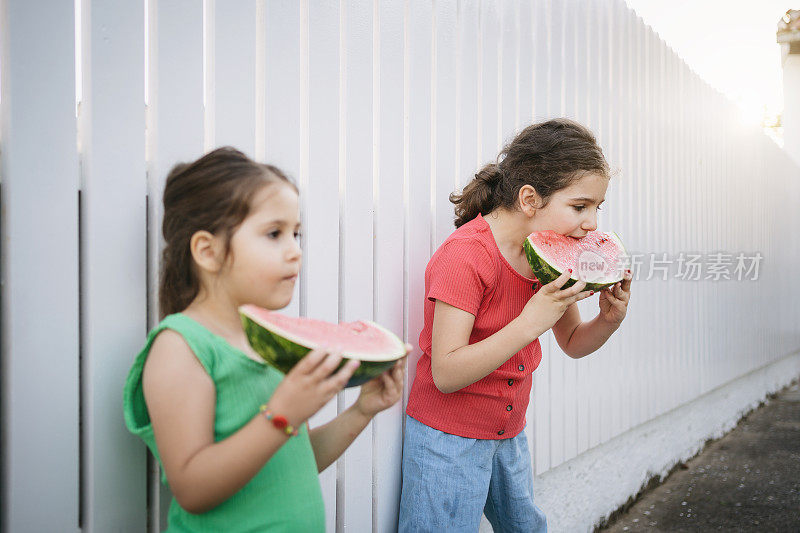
(274,234)
(579,208)
(599,208)
(297,235)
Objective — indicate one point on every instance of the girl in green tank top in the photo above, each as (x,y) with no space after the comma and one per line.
(199,397)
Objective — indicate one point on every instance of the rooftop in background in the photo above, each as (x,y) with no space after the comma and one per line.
(789,31)
(790,22)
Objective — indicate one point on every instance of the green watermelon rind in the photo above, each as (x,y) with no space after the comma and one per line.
(283,353)
(547,273)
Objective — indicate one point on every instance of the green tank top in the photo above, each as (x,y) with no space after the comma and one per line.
(285,495)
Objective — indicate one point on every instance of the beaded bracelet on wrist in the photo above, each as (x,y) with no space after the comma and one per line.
(279,421)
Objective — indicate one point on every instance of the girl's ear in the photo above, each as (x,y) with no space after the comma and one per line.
(207,251)
(528,200)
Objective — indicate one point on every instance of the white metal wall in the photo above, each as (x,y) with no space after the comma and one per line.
(379,110)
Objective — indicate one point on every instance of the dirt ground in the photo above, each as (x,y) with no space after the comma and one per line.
(748,480)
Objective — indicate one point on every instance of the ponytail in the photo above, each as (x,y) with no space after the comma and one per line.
(548,156)
(479,196)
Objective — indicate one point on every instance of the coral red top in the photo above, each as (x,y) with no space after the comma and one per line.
(469,272)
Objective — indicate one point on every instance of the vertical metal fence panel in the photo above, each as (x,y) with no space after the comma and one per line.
(283,90)
(660,147)
(490,82)
(646,123)
(113,261)
(657,152)
(526,64)
(467,92)
(683,194)
(620,403)
(508,93)
(598,75)
(612,217)
(632,166)
(445,107)
(677,112)
(417,164)
(321,256)
(583,41)
(525,72)
(623,399)
(356,239)
(555,357)
(570,14)
(569,391)
(695,215)
(669,204)
(623,404)
(541,14)
(281,101)
(688,146)
(40,337)
(234,69)
(609,61)
(389,309)
(705,371)
(177,71)
(584,54)
(697,150)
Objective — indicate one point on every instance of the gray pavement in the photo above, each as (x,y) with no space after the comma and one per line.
(748,480)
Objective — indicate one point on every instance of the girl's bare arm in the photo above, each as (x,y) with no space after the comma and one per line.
(180,398)
(578,339)
(455,363)
(332,439)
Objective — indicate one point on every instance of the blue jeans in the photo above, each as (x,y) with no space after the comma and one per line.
(448,481)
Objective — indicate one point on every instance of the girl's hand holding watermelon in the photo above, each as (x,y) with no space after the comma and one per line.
(614,300)
(384,391)
(548,305)
(330,440)
(310,385)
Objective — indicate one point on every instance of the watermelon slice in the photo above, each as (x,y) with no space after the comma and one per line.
(599,258)
(282,341)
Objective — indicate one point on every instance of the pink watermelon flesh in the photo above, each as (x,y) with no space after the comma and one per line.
(361,340)
(598,258)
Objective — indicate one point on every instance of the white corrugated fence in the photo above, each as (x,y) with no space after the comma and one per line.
(378,110)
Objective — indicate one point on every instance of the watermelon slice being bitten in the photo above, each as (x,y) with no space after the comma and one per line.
(282,341)
(598,258)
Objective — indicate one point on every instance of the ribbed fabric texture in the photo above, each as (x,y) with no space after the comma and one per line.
(285,495)
(469,272)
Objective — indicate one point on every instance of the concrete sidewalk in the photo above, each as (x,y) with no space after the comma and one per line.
(749,480)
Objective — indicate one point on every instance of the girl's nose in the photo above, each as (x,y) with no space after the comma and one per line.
(295,252)
(590,224)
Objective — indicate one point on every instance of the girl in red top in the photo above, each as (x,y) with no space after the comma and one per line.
(464,449)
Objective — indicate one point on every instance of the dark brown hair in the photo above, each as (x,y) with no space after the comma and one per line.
(211,194)
(548,156)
